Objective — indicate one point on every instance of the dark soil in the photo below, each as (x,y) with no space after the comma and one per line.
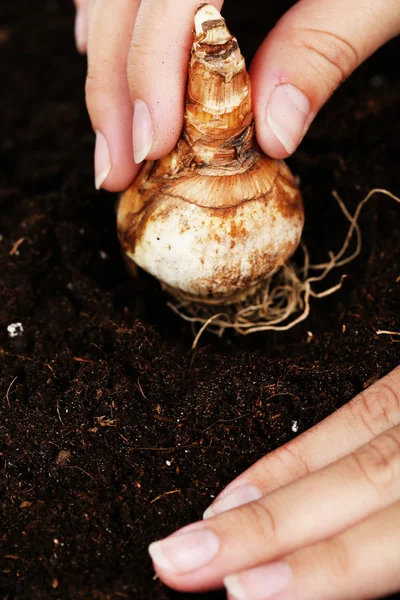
(112,432)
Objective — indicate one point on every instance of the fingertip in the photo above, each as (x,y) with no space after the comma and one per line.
(102,160)
(115,183)
(118,182)
(157,126)
(157,70)
(80,30)
(163,147)
(269,144)
(304,58)
(282,120)
(142,131)
(114,167)
(208,513)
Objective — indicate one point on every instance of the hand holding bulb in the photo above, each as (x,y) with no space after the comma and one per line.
(138,54)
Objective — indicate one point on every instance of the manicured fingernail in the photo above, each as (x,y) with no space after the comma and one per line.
(185,553)
(80,31)
(102,160)
(238,496)
(142,131)
(260,583)
(287,113)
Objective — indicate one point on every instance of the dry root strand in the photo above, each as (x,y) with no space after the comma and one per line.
(283,300)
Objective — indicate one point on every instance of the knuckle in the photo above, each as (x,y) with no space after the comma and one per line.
(293,461)
(379,461)
(390,401)
(98,85)
(140,50)
(378,406)
(92,84)
(145,39)
(337,558)
(140,58)
(324,48)
(93,87)
(262,520)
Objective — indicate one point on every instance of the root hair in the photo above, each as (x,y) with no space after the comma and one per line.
(283,300)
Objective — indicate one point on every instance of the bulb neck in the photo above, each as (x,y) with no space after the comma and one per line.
(218,120)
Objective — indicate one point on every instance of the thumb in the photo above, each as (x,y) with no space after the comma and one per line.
(312,49)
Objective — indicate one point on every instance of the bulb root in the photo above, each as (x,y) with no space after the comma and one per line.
(283,300)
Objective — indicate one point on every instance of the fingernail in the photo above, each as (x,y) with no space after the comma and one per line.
(287,113)
(142,131)
(260,583)
(102,161)
(80,32)
(185,553)
(238,496)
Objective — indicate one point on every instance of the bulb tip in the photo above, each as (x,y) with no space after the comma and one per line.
(205,12)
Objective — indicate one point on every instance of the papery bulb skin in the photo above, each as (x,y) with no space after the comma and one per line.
(214,218)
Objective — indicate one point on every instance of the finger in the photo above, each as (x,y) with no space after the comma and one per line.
(312,49)
(107,92)
(372,412)
(82,24)
(359,564)
(157,72)
(310,509)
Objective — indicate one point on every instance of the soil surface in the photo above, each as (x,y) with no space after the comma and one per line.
(113,433)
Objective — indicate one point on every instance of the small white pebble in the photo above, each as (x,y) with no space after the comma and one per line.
(15,330)
(70,285)
(103,255)
(295,426)
(168,462)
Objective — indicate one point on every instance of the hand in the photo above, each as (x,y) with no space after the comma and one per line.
(138,54)
(317,519)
